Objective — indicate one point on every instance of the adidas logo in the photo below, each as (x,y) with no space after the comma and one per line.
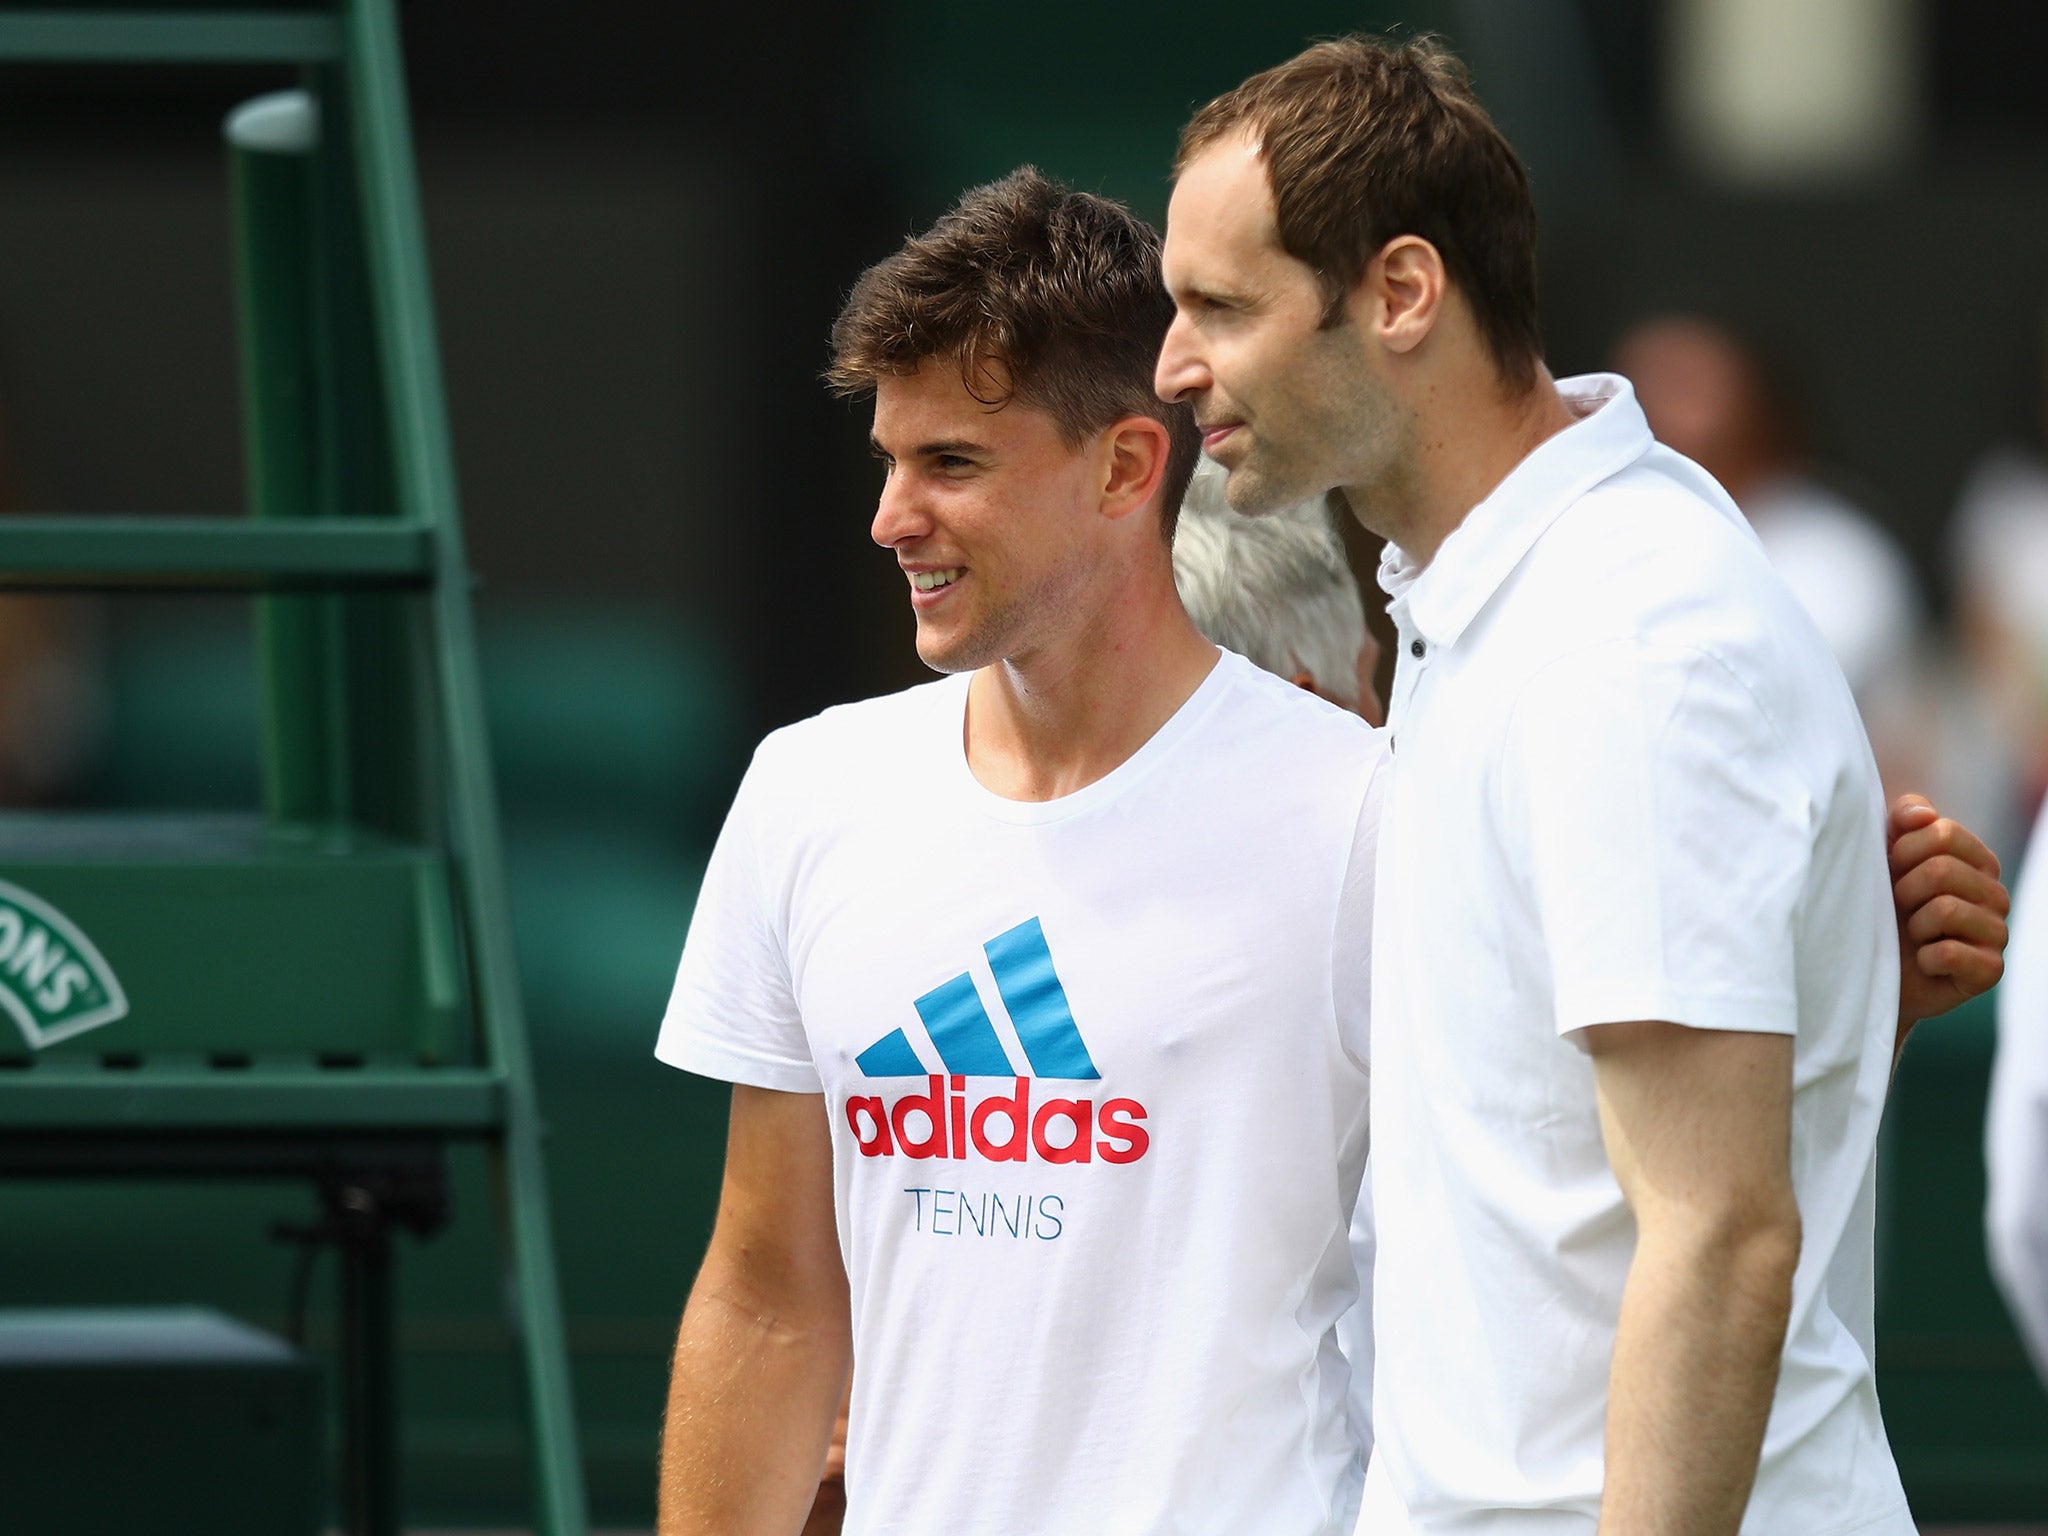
(964,1037)
(1002,1127)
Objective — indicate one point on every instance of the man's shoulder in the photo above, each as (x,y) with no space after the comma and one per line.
(1663,504)
(1276,718)
(1655,558)
(846,762)
(872,732)
(1277,752)
(1659,551)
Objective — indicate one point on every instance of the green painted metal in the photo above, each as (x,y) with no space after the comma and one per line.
(300,640)
(250,939)
(168,37)
(99,552)
(341,966)
(296,1097)
(426,490)
(190,1410)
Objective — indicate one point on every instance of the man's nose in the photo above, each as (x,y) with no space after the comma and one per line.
(897,514)
(1181,370)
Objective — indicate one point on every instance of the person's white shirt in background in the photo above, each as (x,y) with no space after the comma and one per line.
(2000,540)
(1849,575)
(2016,1123)
(1995,768)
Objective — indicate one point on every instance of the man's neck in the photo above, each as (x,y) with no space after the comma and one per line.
(1466,442)
(1051,722)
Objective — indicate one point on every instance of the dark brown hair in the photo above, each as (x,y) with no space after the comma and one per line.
(1367,138)
(1040,294)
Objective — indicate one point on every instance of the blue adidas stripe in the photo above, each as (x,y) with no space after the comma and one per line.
(960,1028)
(890,1056)
(1038,1003)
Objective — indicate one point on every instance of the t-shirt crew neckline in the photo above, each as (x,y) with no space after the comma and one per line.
(1112,785)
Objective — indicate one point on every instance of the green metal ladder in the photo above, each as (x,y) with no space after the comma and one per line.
(323,990)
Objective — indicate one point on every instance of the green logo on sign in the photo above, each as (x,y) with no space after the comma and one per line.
(52,979)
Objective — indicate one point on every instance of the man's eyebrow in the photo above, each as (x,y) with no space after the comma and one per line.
(1212,291)
(950,445)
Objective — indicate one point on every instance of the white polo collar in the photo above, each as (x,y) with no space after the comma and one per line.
(1443,597)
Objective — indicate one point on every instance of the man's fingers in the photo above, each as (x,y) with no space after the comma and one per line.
(1937,838)
(1968,968)
(1908,813)
(1950,917)
(1948,876)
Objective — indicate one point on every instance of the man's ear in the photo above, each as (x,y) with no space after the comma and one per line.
(1134,455)
(1400,295)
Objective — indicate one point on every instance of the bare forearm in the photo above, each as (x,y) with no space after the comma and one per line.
(1695,1364)
(750,1410)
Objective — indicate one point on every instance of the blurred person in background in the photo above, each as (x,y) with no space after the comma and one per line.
(1998,551)
(1712,396)
(2016,1118)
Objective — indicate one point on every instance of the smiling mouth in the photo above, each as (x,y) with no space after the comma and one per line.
(1211,436)
(932,581)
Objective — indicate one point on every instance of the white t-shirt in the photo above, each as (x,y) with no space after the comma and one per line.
(1628,783)
(2016,1122)
(1096,1076)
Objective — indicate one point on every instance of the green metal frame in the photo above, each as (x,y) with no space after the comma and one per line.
(378,781)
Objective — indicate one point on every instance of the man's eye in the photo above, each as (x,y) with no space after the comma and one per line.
(953,461)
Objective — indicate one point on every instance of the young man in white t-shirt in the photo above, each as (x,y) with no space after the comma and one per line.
(1084,998)
(1634,978)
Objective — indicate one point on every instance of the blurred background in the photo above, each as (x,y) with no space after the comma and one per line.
(1815,233)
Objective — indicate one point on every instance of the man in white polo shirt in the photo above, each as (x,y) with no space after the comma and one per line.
(1634,976)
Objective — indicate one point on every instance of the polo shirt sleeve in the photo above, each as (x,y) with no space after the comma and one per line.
(1662,835)
(733,1014)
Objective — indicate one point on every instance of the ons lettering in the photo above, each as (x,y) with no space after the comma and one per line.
(1002,1128)
(53,981)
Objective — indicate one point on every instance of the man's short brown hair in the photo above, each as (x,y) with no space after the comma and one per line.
(1039,294)
(1367,138)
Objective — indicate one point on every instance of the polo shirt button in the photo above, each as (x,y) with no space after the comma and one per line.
(1416,648)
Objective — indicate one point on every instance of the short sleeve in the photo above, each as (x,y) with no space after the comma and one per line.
(1666,838)
(732,1014)
(1351,943)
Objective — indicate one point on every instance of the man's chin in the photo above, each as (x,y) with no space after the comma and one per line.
(948,653)
(1253,493)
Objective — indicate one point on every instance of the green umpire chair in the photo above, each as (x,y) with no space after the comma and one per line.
(323,990)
